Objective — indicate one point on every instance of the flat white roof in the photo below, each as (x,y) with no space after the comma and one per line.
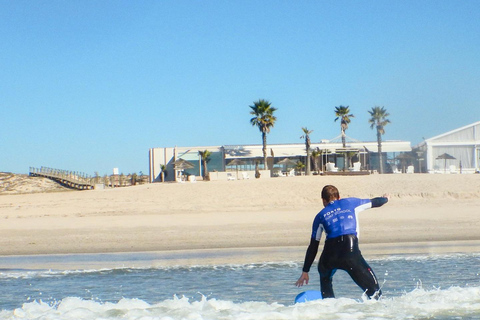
(298,149)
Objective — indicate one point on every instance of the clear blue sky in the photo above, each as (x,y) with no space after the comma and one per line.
(92,85)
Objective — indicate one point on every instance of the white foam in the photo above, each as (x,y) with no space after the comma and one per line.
(29,274)
(451,303)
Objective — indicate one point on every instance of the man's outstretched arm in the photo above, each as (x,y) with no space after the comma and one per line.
(379,201)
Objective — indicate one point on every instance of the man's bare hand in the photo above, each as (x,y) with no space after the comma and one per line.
(303,280)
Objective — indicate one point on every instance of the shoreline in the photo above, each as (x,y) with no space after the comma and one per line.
(219,257)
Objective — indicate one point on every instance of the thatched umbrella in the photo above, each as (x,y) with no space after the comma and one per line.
(287,162)
(446,157)
(181,165)
(404,157)
(236,163)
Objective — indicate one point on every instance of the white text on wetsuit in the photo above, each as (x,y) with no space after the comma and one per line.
(335,212)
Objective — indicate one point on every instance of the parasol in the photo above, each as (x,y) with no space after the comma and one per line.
(403,158)
(236,163)
(287,162)
(181,164)
(445,157)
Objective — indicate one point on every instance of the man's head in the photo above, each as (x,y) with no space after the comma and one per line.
(329,193)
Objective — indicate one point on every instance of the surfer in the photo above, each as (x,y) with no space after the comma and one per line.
(339,220)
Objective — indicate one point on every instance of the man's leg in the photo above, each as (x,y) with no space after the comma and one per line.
(326,271)
(364,277)
(326,283)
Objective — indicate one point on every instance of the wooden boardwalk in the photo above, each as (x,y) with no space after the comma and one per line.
(69,179)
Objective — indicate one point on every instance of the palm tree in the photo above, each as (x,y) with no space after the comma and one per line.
(379,121)
(343,113)
(306,136)
(315,154)
(264,120)
(205,156)
(299,167)
(163,174)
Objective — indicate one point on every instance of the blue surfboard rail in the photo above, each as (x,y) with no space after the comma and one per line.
(308,295)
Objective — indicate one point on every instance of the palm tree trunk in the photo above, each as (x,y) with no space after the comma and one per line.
(264,138)
(307,169)
(380,155)
(206,177)
(344,143)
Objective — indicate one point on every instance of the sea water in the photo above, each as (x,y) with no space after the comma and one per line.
(414,287)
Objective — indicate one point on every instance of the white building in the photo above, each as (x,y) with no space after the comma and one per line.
(243,160)
(463,144)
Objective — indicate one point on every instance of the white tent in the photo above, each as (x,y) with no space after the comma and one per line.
(462,143)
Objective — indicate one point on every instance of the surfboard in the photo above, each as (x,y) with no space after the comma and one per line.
(308,296)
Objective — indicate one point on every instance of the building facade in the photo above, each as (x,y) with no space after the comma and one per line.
(248,159)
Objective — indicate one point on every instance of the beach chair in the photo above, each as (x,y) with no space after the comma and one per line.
(245,175)
(453,169)
(192,178)
(291,173)
(395,170)
(356,167)
(410,169)
(230,176)
(330,167)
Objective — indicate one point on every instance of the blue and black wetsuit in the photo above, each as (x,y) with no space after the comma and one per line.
(339,220)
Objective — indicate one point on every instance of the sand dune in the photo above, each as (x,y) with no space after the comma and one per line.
(21,183)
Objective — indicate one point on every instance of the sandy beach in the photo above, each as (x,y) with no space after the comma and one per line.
(265,214)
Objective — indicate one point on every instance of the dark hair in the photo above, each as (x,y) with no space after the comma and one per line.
(330,193)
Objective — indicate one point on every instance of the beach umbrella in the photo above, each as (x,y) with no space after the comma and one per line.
(236,163)
(287,162)
(445,157)
(404,157)
(181,164)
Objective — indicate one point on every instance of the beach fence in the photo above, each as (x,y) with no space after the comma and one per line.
(82,181)
(70,179)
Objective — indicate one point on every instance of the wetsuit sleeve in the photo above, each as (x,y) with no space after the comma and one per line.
(311,254)
(378,202)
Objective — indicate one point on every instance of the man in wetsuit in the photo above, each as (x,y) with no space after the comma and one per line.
(339,220)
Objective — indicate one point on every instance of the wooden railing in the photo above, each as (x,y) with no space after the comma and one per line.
(70,179)
(82,181)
